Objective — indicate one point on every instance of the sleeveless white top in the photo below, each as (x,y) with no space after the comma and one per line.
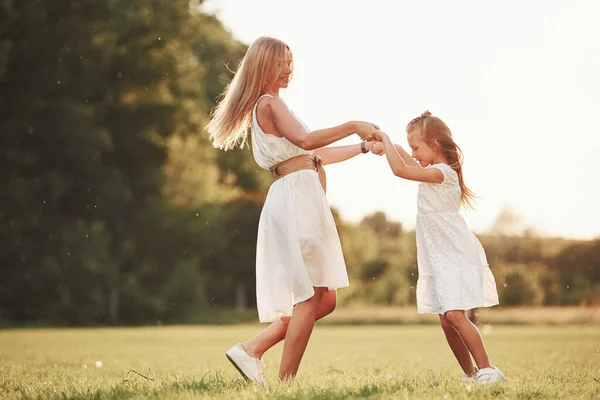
(298,246)
(269,150)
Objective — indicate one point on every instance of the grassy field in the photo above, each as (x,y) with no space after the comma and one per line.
(359,361)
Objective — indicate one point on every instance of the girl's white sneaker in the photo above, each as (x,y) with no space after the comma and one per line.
(489,375)
(249,367)
(469,379)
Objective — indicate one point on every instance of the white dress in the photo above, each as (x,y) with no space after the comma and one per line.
(453,269)
(298,245)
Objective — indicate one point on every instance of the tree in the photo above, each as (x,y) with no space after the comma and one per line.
(93,97)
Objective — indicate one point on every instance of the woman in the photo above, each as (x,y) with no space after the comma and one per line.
(299,261)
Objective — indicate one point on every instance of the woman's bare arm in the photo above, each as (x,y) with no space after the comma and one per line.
(289,127)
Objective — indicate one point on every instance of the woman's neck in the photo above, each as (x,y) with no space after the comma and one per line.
(272,91)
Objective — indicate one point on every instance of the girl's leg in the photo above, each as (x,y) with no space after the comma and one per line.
(275,332)
(299,330)
(458,346)
(470,336)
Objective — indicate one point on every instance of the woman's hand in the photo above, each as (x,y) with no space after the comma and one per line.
(366,130)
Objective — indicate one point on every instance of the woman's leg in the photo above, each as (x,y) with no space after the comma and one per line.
(458,346)
(299,330)
(275,332)
(470,336)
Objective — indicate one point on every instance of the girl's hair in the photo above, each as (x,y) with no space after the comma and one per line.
(263,63)
(434,129)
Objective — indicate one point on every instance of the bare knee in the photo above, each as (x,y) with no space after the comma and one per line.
(313,302)
(446,325)
(329,302)
(455,317)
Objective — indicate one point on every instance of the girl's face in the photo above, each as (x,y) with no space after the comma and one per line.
(423,152)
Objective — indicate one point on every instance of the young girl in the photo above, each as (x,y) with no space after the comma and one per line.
(299,261)
(454,275)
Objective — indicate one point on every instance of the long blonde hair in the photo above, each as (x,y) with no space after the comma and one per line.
(264,61)
(432,128)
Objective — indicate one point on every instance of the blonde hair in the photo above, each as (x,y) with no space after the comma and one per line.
(264,61)
(434,129)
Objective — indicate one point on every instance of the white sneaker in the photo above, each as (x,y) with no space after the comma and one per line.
(489,375)
(469,379)
(251,368)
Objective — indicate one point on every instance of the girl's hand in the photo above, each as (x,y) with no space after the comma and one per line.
(376,148)
(382,134)
(373,144)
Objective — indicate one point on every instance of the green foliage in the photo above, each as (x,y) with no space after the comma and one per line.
(529,270)
(578,268)
(95,99)
(519,286)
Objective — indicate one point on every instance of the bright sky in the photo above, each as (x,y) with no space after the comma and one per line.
(518,82)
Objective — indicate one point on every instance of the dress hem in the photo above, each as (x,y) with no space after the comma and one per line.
(431,310)
(282,313)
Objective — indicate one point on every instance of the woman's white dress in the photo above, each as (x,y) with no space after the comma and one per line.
(298,246)
(453,270)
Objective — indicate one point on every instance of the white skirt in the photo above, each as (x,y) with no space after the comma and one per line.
(298,246)
(453,270)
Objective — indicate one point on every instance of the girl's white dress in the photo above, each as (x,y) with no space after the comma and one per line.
(298,245)
(453,269)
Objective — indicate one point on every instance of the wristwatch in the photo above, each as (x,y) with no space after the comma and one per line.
(363,147)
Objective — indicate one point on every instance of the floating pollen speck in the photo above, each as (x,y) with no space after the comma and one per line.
(487,329)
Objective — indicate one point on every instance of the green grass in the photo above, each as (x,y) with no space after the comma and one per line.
(381,361)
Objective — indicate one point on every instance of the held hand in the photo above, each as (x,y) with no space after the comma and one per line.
(376,148)
(382,134)
(369,145)
(367,131)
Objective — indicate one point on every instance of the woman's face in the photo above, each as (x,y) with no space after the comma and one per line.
(283,80)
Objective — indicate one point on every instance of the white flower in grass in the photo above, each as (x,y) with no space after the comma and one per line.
(98,364)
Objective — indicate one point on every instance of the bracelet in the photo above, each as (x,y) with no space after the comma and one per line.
(363,147)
